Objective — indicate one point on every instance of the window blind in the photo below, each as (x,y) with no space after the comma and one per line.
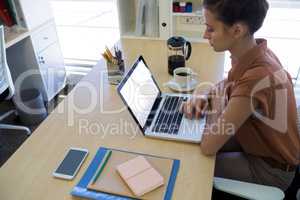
(284,3)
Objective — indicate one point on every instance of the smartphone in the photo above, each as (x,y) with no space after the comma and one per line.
(71,163)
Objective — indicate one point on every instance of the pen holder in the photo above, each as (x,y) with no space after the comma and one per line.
(115,72)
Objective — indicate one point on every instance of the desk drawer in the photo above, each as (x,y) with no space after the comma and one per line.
(44,37)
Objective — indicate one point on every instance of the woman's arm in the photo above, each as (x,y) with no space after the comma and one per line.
(221,127)
(196,106)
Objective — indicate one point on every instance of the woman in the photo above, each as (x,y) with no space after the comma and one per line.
(251,123)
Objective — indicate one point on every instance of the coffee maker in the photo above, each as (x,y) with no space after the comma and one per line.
(179,50)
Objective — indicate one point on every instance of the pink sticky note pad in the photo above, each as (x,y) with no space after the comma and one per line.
(140,176)
(133,167)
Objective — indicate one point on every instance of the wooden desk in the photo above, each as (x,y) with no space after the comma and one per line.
(28,173)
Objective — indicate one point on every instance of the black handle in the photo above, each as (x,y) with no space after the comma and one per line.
(189,46)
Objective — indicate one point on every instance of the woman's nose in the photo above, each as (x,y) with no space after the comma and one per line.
(206,35)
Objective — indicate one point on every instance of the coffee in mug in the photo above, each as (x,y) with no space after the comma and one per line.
(184,76)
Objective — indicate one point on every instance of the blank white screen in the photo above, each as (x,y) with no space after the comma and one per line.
(140,92)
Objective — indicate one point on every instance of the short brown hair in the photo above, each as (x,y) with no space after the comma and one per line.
(250,12)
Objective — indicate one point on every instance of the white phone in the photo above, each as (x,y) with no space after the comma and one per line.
(71,163)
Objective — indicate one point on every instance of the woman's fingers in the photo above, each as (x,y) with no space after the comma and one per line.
(188,109)
(198,108)
(205,107)
(194,107)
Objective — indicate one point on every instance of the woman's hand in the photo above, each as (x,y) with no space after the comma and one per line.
(211,99)
(195,107)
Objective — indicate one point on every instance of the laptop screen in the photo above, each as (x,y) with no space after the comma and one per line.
(140,92)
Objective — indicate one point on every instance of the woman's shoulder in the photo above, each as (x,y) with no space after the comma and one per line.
(265,64)
(265,75)
(262,69)
(257,72)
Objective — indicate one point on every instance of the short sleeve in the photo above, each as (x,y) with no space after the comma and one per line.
(257,84)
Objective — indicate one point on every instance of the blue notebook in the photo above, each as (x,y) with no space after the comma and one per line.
(81,190)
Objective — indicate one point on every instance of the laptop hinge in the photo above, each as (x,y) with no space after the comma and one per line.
(152,113)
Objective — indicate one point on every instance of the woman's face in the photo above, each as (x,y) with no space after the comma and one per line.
(219,35)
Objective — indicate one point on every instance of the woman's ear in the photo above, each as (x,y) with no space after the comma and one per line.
(239,30)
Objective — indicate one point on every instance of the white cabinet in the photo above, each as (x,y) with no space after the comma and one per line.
(52,69)
(50,59)
(44,37)
(35,12)
(40,51)
(190,25)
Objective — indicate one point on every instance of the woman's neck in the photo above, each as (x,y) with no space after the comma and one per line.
(241,47)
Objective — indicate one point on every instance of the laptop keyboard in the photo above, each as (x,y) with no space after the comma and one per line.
(169,117)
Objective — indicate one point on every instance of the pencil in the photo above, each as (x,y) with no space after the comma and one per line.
(108,52)
(107,156)
(105,56)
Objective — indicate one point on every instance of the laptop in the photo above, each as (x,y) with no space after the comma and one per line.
(157,114)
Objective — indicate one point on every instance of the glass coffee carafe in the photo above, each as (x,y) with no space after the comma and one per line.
(179,50)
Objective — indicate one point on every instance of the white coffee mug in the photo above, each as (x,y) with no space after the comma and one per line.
(184,76)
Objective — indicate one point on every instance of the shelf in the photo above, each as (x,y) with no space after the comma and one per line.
(189,25)
(192,14)
(14,34)
(131,35)
(192,36)
(189,38)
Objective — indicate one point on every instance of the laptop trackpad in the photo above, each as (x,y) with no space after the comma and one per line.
(192,128)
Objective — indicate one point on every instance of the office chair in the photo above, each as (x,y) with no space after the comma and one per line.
(297,76)
(247,190)
(6,86)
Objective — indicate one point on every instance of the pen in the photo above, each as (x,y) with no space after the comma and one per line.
(107,156)
(116,49)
